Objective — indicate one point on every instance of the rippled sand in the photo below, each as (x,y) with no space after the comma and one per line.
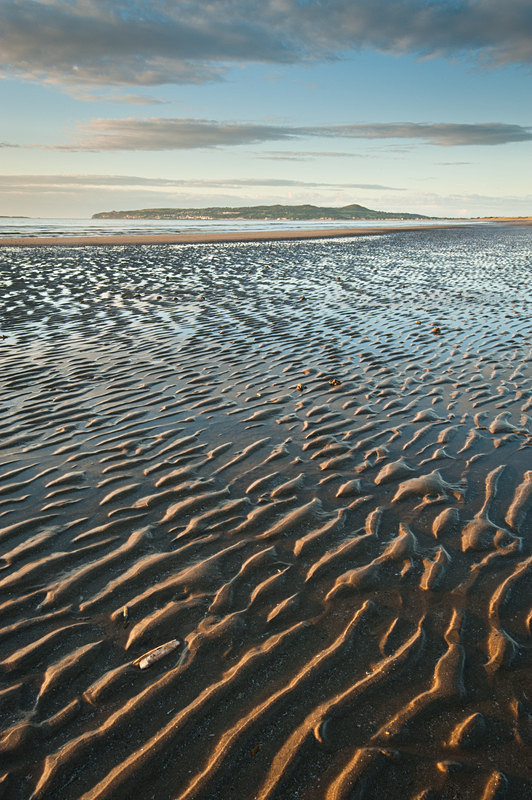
(308,462)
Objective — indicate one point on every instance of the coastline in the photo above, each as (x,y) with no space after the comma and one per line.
(213,238)
(221,237)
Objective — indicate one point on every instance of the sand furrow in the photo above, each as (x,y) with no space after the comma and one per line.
(308,462)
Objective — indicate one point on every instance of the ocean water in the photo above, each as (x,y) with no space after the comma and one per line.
(31,227)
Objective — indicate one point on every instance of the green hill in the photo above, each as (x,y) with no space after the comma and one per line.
(310,212)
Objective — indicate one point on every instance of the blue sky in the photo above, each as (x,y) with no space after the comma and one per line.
(400,105)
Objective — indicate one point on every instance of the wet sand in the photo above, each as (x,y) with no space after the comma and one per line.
(310,464)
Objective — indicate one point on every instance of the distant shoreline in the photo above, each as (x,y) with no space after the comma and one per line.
(308,212)
(239,236)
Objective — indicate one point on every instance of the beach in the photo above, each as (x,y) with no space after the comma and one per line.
(266,515)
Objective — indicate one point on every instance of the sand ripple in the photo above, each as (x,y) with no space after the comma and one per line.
(310,464)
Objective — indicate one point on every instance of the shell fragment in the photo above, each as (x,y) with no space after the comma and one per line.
(157,653)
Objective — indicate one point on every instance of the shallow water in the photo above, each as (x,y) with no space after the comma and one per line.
(34,227)
(310,463)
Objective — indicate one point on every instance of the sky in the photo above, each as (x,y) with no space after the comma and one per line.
(420,106)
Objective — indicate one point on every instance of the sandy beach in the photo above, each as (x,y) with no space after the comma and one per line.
(303,469)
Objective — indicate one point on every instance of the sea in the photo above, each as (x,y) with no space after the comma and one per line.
(50,227)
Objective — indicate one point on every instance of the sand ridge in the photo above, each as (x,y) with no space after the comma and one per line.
(308,464)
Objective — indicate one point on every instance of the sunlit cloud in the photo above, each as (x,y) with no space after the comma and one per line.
(129,98)
(160,133)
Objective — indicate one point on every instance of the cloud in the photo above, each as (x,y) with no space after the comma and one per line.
(172,133)
(16,183)
(114,42)
(163,133)
(443,134)
(130,98)
(303,155)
